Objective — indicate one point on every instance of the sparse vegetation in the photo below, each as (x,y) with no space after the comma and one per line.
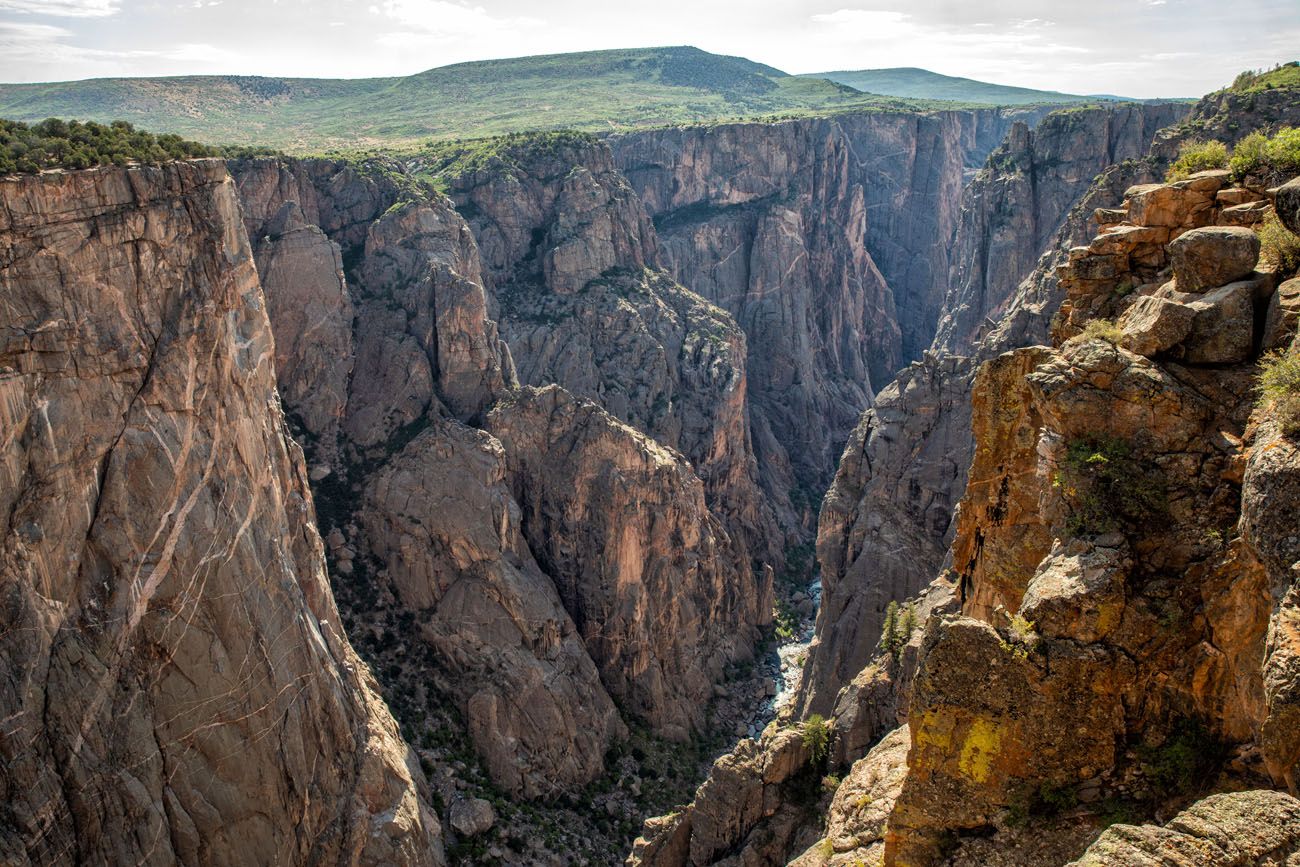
(1198,156)
(816,738)
(1100,329)
(1253,80)
(1278,245)
(1021,638)
(1106,488)
(1267,158)
(1184,762)
(1279,388)
(60,144)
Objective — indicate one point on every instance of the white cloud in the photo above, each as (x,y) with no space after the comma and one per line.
(448,20)
(63,8)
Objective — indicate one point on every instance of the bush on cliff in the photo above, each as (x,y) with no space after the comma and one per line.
(1267,157)
(1198,156)
(59,144)
(1279,389)
(1278,245)
(1106,488)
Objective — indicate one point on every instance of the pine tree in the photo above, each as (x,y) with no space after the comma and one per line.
(889,633)
(909,623)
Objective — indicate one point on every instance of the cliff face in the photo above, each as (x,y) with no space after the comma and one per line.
(180,689)
(885,525)
(640,562)
(827,240)
(1015,206)
(1112,574)
(419,355)
(572,268)
(524,555)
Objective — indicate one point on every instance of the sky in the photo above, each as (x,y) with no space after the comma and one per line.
(1139,48)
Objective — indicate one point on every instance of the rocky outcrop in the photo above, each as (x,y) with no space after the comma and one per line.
(1101,578)
(747,808)
(1242,828)
(179,688)
(441,518)
(886,523)
(644,568)
(823,238)
(855,821)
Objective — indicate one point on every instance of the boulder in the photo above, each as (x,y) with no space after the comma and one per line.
(1169,206)
(471,816)
(1223,328)
(1287,202)
(1214,256)
(1154,325)
(1283,312)
(1236,196)
(1248,214)
(1078,592)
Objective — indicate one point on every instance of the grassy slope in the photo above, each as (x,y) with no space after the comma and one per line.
(597,90)
(923,84)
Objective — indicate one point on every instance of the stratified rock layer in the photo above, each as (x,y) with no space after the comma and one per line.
(179,689)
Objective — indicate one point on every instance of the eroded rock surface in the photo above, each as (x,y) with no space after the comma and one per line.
(650,577)
(180,689)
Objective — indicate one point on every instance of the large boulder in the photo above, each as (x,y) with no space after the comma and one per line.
(1154,325)
(1223,327)
(1287,204)
(1213,256)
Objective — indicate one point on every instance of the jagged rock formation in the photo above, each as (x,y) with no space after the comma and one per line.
(419,354)
(440,515)
(886,522)
(179,688)
(1015,206)
(640,562)
(571,263)
(1102,578)
(823,238)
(532,590)
(855,820)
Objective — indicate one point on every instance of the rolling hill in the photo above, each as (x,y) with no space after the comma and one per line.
(915,83)
(595,91)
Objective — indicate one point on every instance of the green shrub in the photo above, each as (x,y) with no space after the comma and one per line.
(1198,156)
(1100,329)
(1269,158)
(1106,488)
(816,738)
(1279,388)
(1185,762)
(1278,245)
(1249,156)
(71,144)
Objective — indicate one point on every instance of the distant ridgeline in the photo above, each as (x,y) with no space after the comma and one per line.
(595,91)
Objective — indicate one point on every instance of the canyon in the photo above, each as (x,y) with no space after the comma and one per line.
(457,499)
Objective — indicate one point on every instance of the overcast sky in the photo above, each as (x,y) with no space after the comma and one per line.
(1131,47)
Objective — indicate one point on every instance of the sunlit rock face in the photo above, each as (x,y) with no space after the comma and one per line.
(180,689)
